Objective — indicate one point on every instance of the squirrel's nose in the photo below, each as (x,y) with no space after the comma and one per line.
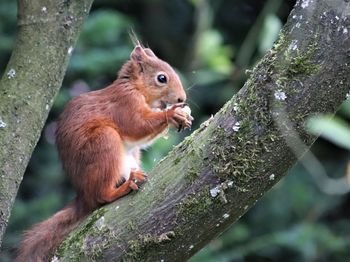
(182,97)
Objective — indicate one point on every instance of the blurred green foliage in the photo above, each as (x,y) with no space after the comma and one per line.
(335,129)
(211,44)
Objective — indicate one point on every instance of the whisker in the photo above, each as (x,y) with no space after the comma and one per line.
(194,103)
(190,87)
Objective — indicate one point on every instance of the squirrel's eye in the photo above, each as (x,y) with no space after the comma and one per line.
(162,79)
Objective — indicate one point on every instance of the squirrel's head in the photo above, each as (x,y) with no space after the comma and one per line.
(154,78)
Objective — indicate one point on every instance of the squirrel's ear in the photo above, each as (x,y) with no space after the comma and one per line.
(149,52)
(138,54)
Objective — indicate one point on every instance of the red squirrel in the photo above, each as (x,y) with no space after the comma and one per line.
(99,136)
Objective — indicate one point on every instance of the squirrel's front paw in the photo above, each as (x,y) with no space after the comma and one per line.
(187,110)
(179,118)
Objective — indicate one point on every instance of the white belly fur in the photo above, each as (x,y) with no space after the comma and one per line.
(129,162)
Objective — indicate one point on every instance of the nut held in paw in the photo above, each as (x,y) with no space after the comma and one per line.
(187,110)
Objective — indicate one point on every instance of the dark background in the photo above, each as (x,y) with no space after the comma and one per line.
(211,44)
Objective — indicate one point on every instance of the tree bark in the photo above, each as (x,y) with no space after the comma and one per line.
(46,36)
(213,177)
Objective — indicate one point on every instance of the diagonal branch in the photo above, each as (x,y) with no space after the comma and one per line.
(47,33)
(211,179)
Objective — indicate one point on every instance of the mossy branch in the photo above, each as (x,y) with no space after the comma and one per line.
(47,31)
(211,179)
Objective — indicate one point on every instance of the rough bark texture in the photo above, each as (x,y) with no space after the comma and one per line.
(211,179)
(47,33)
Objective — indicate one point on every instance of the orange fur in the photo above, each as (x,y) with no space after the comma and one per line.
(99,137)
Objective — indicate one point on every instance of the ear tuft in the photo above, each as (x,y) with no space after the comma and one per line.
(134,38)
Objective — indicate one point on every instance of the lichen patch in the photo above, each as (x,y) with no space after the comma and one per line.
(2,123)
(11,73)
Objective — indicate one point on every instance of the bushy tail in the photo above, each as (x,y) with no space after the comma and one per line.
(40,242)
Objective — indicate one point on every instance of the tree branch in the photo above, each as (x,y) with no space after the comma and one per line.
(211,179)
(47,33)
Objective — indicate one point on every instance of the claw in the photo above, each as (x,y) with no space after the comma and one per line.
(120,182)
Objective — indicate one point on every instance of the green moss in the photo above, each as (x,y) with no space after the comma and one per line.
(280,43)
(177,160)
(191,174)
(132,226)
(165,237)
(134,249)
(193,165)
(294,62)
(302,63)
(188,157)
(78,237)
(242,157)
(149,239)
(195,205)
(146,242)
(243,148)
